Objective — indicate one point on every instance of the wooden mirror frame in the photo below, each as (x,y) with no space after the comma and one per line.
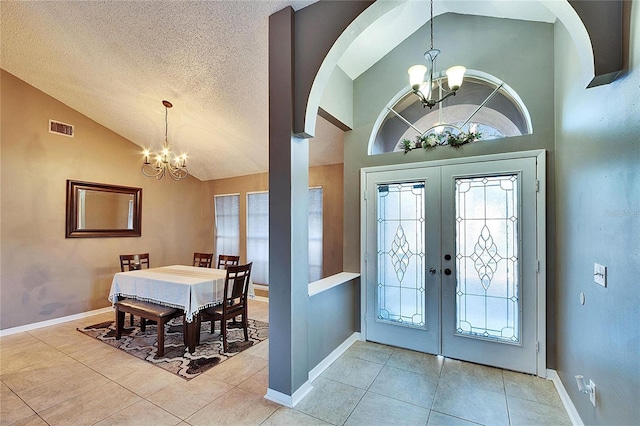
(73,188)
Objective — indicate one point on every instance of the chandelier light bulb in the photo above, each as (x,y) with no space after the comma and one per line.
(416,76)
(455,76)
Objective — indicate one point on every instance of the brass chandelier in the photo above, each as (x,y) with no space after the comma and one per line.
(162,165)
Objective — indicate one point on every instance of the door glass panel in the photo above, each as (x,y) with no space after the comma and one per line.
(487,289)
(401,254)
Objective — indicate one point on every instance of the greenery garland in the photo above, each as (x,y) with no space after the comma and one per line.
(439,139)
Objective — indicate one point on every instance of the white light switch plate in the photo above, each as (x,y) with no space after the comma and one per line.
(600,274)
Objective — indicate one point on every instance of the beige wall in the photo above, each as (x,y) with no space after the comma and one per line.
(44,275)
(330,178)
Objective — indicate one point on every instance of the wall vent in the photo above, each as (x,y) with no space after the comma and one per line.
(60,128)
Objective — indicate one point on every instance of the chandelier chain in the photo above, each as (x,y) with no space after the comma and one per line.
(431,21)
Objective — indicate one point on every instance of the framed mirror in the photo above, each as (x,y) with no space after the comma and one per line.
(96,210)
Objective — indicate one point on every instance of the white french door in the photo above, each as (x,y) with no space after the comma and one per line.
(451,260)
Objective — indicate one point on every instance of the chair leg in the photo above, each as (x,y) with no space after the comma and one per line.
(245,325)
(143,324)
(131,319)
(223,331)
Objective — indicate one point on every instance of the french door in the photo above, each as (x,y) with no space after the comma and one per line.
(451,263)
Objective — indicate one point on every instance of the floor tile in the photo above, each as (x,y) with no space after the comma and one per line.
(237,369)
(236,407)
(439,419)
(12,408)
(407,386)
(416,361)
(468,374)
(34,420)
(524,412)
(370,351)
(258,383)
(330,401)
(532,388)
(142,412)
(473,404)
(187,397)
(147,381)
(284,416)
(90,407)
(386,411)
(261,350)
(353,371)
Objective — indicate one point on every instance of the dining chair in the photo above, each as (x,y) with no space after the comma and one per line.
(236,288)
(202,260)
(133,262)
(225,260)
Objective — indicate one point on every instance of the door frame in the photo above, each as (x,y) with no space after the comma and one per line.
(541,240)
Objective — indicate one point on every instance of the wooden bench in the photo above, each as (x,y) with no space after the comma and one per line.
(145,310)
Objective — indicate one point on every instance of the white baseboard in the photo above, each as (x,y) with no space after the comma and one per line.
(325,363)
(564,397)
(289,400)
(54,321)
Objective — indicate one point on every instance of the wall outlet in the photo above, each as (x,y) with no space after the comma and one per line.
(600,274)
(592,395)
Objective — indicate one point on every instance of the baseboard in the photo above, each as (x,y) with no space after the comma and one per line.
(325,363)
(564,397)
(260,298)
(54,321)
(289,400)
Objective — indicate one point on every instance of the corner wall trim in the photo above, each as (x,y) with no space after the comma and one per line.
(289,401)
(325,363)
(574,416)
(54,321)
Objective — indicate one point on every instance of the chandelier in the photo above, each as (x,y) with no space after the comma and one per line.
(162,164)
(424,89)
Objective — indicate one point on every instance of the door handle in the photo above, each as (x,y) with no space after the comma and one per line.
(432,271)
(447,271)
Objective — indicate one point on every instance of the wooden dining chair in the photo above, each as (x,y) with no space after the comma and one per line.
(128,262)
(225,260)
(203,260)
(236,289)
(133,262)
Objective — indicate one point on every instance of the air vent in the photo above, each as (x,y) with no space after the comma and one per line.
(60,128)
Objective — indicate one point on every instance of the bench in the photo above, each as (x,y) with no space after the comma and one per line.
(145,310)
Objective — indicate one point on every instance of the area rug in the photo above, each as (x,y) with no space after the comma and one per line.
(177,358)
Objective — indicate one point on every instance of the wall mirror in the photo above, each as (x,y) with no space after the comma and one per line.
(97,210)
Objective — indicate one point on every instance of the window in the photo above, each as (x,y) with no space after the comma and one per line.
(482,104)
(315,234)
(227,216)
(258,235)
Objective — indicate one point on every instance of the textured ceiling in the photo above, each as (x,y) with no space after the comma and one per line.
(115,61)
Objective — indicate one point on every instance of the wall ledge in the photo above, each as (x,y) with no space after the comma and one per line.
(330,282)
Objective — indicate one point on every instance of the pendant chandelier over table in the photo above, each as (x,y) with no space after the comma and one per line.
(163,162)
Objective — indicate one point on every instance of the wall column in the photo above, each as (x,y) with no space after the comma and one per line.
(288,224)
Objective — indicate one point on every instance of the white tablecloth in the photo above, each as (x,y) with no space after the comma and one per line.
(185,287)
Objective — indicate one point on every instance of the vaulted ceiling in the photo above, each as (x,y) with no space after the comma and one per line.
(116,61)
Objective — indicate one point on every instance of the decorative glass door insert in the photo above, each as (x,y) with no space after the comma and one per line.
(401,254)
(487,285)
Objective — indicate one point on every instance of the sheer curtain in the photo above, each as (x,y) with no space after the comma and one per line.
(227,213)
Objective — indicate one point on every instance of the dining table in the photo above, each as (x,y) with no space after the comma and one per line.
(190,288)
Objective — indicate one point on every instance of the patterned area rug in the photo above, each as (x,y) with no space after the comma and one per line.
(177,358)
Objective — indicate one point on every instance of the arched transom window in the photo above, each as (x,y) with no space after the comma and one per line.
(483,104)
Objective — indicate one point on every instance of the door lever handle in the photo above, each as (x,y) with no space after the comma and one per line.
(432,271)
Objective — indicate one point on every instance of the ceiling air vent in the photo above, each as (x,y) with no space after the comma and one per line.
(60,128)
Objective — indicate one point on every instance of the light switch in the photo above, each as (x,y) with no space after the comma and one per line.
(600,274)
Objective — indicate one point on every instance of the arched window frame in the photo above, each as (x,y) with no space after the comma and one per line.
(479,75)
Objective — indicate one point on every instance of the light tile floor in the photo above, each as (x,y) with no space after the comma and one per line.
(58,376)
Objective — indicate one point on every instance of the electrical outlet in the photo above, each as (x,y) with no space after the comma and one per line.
(600,274)
(592,395)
